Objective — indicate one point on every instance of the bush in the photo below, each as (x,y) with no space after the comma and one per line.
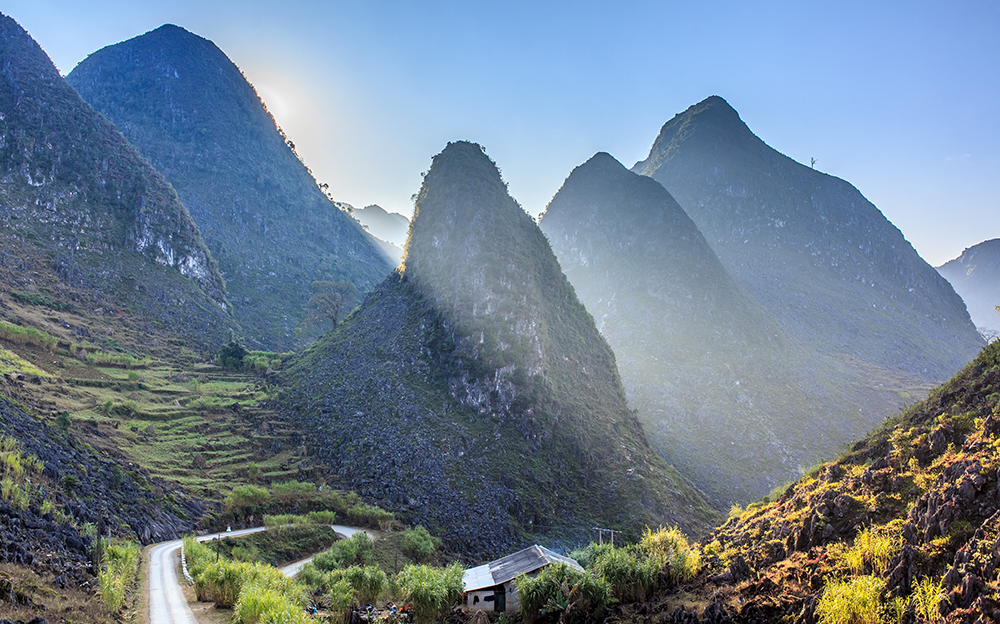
(293,489)
(672,545)
(430,592)
(246,498)
(370,516)
(854,601)
(560,589)
(357,550)
(419,544)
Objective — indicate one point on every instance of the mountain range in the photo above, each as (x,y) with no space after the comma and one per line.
(473,389)
(720,388)
(190,111)
(810,248)
(976,277)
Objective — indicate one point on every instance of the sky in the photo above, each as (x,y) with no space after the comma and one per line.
(898,98)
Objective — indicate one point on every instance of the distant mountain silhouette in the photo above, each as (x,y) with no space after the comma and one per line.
(389,226)
(976,277)
(728,398)
(192,113)
(810,248)
(78,203)
(473,388)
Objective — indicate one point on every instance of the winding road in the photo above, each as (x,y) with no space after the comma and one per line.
(167,603)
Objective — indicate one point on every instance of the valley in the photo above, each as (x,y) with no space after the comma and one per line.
(730,364)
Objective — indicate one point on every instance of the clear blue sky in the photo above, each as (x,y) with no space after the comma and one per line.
(898,98)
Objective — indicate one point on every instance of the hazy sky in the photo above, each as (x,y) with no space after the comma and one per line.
(898,98)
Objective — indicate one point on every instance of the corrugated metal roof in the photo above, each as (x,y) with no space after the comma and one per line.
(478,578)
(512,566)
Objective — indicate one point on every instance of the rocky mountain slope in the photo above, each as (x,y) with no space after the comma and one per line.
(389,226)
(472,389)
(80,205)
(976,277)
(723,393)
(810,248)
(192,113)
(903,528)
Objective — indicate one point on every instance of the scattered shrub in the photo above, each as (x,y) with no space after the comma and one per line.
(419,544)
(354,551)
(26,336)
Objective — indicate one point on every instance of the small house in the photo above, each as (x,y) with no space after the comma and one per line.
(490,587)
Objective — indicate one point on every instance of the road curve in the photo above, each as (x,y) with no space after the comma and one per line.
(167,603)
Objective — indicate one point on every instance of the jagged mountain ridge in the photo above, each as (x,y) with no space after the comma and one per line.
(99,217)
(810,247)
(192,113)
(975,275)
(472,388)
(723,393)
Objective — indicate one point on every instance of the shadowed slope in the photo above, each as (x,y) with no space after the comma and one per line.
(105,220)
(976,277)
(723,393)
(473,389)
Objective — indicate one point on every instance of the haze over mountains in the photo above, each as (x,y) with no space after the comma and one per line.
(810,248)
(190,111)
(85,214)
(719,387)
(473,389)
(389,226)
(976,277)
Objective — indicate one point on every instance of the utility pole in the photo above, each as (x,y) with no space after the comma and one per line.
(600,535)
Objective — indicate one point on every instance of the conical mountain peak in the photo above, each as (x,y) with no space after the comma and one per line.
(189,110)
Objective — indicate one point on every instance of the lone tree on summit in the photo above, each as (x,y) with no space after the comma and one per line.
(331,301)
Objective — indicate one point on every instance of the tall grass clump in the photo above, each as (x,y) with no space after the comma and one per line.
(258,604)
(430,592)
(560,589)
(872,550)
(26,336)
(120,360)
(587,555)
(928,594)
(853,601)
(683,559)
(340,595)
(632,572)
(119,571)
(368,582)
(15,467)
